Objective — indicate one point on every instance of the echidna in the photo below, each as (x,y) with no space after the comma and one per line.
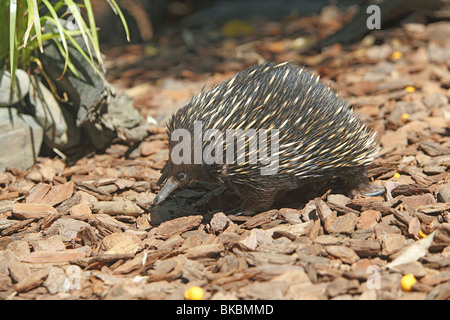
(312,135)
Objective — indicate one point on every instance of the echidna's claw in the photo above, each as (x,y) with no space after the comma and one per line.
(374,191)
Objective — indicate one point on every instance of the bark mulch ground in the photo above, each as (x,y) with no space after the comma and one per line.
(88,230)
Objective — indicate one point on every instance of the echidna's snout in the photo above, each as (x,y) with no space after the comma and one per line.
(170,185)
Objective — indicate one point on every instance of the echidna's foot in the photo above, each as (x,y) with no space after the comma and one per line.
(250,209)
(373,191)
(241,210)
(247,212)
(236,211)
(255,200)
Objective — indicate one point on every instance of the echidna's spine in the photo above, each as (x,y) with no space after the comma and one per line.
(318,131)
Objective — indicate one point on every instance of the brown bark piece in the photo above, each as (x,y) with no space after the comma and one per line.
(177,226)
(32,210)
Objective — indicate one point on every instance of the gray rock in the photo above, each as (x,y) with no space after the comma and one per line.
(59,124)
(122,112)
(22,87)
(21,136)
(88,95)
(92,100)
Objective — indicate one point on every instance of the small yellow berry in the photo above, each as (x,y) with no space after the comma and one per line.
(410,89)
(396,175)
(397,55)
(407,282)
(194,293)
(405,117)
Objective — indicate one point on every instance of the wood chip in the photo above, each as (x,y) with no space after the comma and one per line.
(219,222)
(434,208)
(38,193)
(391,243)
(122,207)
(365,248)
(59,193)
(54,257)
(18,271)
(177,226)
(344,224)
(122,243)
(408,190)
(260,219)
(32,210)
(205,251)
(347,255)
(56,280)
(296,229)
(32,281)
(81,211)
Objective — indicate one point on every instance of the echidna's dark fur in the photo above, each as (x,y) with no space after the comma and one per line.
(319,136)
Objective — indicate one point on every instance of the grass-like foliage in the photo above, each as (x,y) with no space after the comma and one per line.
(24,34)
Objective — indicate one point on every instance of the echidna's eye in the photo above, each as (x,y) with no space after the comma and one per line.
(181,176)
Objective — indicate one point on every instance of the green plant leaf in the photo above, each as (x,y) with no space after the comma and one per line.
(93,28)
(4,34)
(117,10)
(37,23)
(55,21)
(58,5)
(81,51)
(24,34)
(83,28)
(12,43)
(29,23)
(68,62)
